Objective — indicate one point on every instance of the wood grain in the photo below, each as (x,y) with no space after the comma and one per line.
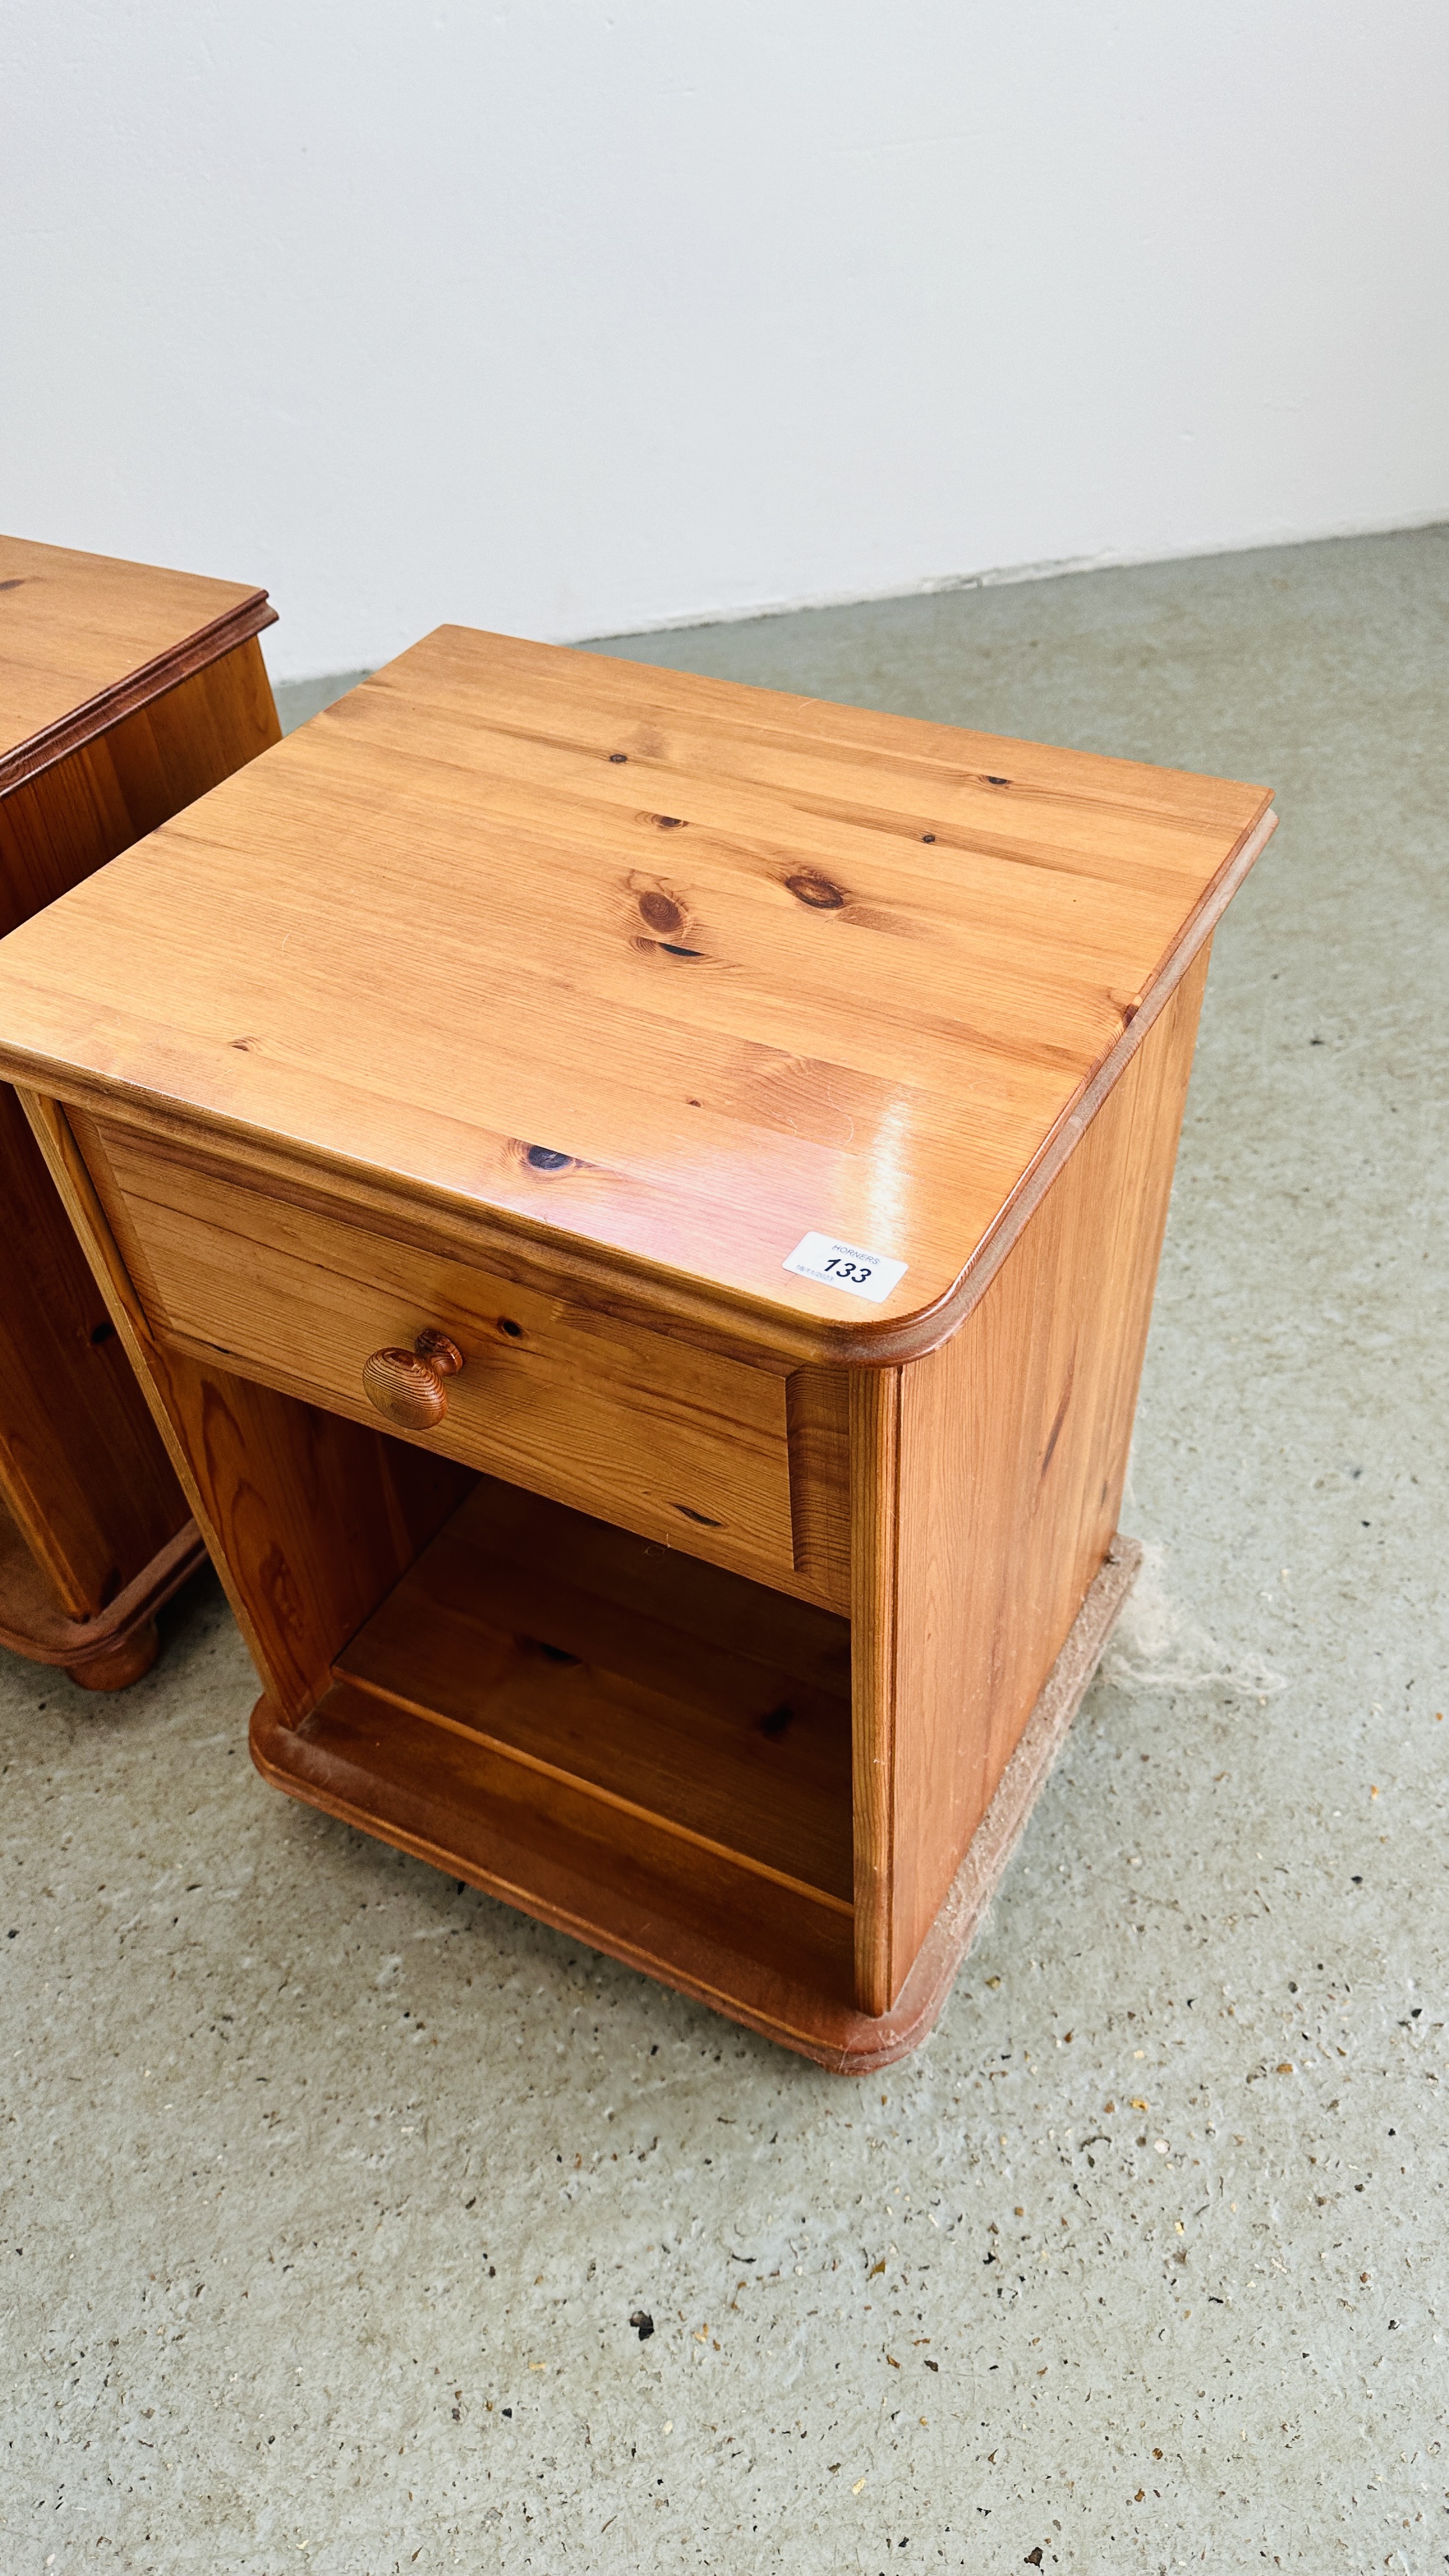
(105,1651)
(758,1951)
(817,1413)
(877,1662)
(82,1472)
(86,639)
(674,1442)
(743,1941)
(58,828)
(402,1388)
(83,1476)
(1013,1442)
(678,1694)
(308,1519)
(775,968)
(699,971)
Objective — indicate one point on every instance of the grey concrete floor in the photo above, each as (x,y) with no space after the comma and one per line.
(331,2187)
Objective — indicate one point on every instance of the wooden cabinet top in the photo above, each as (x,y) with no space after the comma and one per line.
(643,976)
(84,639)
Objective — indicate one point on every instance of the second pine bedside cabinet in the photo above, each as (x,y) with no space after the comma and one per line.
(125,690)
(637,1202)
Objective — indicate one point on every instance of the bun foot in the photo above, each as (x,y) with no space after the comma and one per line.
(123,1664)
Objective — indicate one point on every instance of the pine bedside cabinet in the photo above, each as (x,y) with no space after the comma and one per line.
(636,1201)
(124,692)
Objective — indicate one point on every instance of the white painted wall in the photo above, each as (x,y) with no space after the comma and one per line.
(573,316)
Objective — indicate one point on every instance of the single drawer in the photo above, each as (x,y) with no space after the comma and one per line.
(673,1442)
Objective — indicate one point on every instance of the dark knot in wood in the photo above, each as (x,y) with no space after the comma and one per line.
(816,891)
(661,913)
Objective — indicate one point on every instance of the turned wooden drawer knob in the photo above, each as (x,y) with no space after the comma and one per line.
(407,1386)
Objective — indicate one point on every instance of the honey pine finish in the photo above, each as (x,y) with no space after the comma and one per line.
(442,1100)
(124,693)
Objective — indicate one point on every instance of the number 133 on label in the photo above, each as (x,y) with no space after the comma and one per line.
(845,1265)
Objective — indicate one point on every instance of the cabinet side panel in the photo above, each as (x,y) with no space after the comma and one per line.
(1014,1442)
(82,1467)
(309,1519)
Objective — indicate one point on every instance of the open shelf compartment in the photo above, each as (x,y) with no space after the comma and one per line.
(613,1735)
(650,1754)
